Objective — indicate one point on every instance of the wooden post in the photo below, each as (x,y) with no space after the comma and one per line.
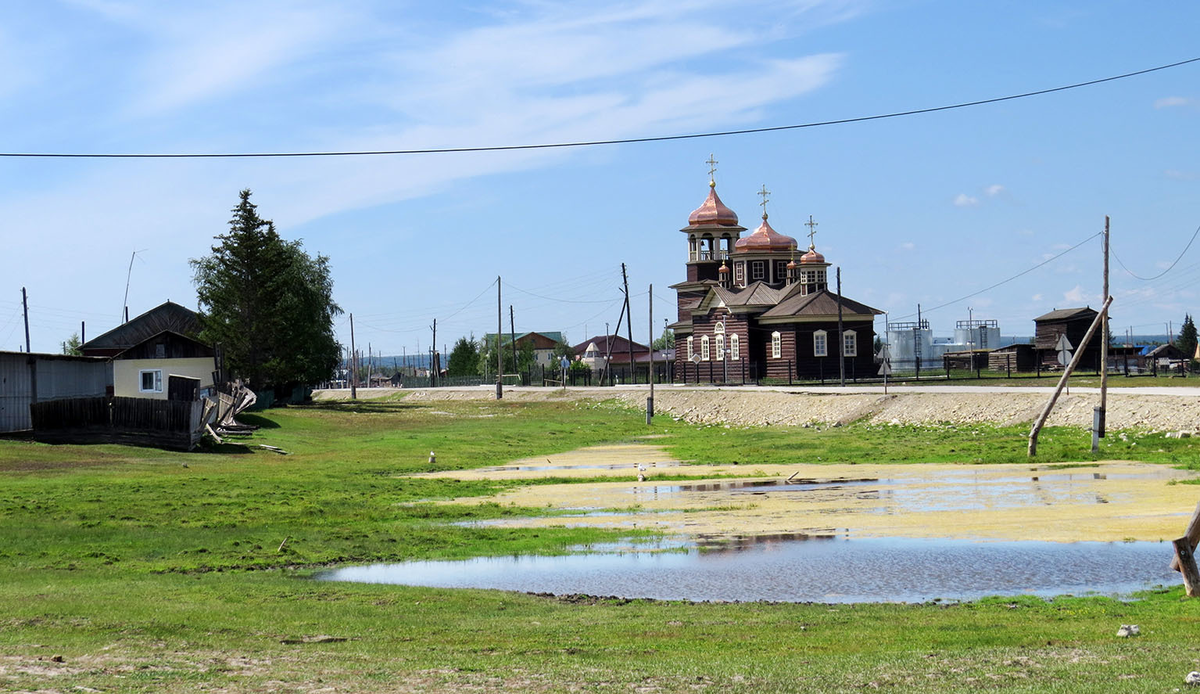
(499,354)
(841,338)
(512,335)
(1192,534)
(1104,341)
(353,363)
(1062,382)
(1187,566)
(608,347)
(629,326)
(25,309)
(650,373)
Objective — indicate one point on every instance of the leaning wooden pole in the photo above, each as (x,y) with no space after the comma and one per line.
(1192,534)
(1104,342)
(1062,382)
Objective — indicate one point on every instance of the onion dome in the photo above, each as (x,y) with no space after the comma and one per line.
(724,269)
(812,257)
(792,265)
(713,212)
(765,239)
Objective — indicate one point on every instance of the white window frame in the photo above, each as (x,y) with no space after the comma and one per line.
(850,344)
(758,269)
(739,272)
(691,350)
(158,381)
(735,347)
(776,345)
(820,344)
(720,339)
(704,353)
(780,270)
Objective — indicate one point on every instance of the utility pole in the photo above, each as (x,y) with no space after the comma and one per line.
(82,332)
(433,355)
(841,336)
(1104,341)
(629,325)
(650,373)
(512,336)
(499,354)
(25,308)
(369,364)
(353,363)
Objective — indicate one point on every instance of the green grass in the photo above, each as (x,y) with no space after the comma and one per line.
(146,575)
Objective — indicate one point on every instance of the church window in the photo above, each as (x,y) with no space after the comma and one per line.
(776,345)
(692,248)
(720,347)
(739,272)
(820,344)
(691,351)
(735,348)
(850,344)
(704,348)
(757,270)
(780,270)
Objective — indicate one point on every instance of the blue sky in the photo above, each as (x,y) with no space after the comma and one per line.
(923,209)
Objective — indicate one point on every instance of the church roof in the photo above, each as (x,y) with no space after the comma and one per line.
(712,212)
(756,294)
(822,303)
(764,238)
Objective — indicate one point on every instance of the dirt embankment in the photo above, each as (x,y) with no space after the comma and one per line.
(754,407)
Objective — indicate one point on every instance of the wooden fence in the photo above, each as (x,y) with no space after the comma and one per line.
(139,421)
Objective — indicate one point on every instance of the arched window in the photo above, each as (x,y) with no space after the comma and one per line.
(735,347)
(704,348)
(820,344)
(850,344)
(691,351)
(776,345)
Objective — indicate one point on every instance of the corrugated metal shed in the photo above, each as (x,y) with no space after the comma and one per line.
(57,375)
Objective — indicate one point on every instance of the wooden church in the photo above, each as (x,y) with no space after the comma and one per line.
(750,309)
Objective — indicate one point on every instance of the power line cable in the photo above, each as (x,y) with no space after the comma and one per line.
(1171,267)
(1005,281)
(593,143)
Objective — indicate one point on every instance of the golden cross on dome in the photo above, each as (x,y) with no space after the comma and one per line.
(812,230)
(712,168)
(764,193)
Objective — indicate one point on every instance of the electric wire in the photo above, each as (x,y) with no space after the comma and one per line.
(592,143)
(1004,281)
(1172,266)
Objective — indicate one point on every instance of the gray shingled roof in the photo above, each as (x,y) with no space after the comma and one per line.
(1066,313)
(169,316)
(822,303)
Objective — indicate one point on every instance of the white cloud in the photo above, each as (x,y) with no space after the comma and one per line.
(1170,101)
(1075,295)
(908,246)
(994,190)
(964,200)
(1036,297)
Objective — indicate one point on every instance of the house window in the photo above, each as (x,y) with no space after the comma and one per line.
(735,347)
(757,270)
(739,273)
(151,381)
(704,348)
(720,347)
(820,344)
(776,345)
(691,350)
(850,344)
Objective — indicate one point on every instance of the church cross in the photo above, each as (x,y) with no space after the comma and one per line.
(764,193)
(712,168)
(812,230)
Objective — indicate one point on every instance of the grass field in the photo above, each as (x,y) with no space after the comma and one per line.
(128,569)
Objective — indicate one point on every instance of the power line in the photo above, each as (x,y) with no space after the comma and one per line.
(594,143)
(1005,281)
(1171,267)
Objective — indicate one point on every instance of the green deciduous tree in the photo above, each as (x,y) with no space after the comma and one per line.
(664,341)
(267,303)
(464,358)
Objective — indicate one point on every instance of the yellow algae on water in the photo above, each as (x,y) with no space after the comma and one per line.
(1109,501)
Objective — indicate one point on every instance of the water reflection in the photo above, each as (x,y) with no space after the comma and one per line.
(820,566)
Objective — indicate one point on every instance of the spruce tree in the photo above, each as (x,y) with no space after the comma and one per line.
(1186,342)
(267,303)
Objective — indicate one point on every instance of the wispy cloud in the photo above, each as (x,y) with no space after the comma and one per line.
(964,200)
(994,190)
(1172,101)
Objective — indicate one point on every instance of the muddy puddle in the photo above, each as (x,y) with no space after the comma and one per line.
(802,567)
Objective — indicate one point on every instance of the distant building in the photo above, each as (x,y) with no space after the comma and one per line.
(751,308)
(595,350)
(1074,324)
(543,344)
